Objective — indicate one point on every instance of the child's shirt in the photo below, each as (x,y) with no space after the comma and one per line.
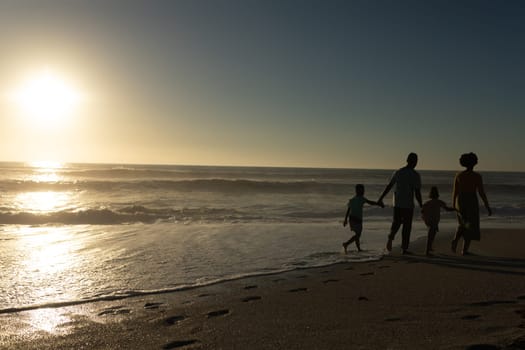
(356,206)
(432,211)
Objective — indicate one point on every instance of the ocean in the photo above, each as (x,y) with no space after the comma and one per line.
(73,233)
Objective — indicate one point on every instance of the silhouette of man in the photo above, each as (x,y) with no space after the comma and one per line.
(407,184)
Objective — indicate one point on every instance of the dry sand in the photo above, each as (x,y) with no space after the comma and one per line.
(401,302)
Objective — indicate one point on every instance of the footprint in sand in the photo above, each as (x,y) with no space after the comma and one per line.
(521,312)
(204,295)
(295,290)
(470,317)
(496,329)
(251,298)
(412,262)
(482,347)
(330,281)
(367,273)
(278,280)
(349,268)
(383,267)
(493,302)
(152,306)
(174,319)
(456,310)
(302,276)
(393,319)
(361,298)
(179,344)
(218,313)
(250,287)
(115,310)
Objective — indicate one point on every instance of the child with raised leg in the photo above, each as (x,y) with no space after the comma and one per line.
(354,215)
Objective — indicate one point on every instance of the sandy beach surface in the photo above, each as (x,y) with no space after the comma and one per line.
(400,302)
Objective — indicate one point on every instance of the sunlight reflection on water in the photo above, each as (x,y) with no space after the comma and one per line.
(42,202)
(45,171)
(45,265)
(48,258)
(49,320)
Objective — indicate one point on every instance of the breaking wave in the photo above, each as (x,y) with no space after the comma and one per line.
(127,215)
(197,185)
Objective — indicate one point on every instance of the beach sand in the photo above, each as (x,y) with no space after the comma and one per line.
(400,302)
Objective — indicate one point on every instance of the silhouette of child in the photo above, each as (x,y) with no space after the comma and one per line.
(354,215)
(431,213)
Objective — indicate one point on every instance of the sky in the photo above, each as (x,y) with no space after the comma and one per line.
(295,83)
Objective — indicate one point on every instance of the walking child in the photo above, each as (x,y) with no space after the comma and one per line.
(354,215)
(431,212)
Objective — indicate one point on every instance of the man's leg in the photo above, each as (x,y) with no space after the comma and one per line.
(396,224)
(408,213)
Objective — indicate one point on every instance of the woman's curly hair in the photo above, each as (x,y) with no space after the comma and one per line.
(468,160)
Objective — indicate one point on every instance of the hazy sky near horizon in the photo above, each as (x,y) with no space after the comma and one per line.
(323,83)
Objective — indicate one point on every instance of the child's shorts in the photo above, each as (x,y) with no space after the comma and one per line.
(432,225)
(356,224)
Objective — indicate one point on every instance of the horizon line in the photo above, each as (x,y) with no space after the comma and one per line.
(245,166)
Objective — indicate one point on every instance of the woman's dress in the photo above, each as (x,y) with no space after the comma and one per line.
(466,186)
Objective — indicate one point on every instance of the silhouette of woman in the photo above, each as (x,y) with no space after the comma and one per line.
(467,185)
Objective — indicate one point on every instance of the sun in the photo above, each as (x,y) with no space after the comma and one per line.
(46,97)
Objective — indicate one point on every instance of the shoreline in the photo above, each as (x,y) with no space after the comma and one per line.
(180,289)
(399,302)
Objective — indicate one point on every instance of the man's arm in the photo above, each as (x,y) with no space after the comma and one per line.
(387,189)
(417,192)
(375,203)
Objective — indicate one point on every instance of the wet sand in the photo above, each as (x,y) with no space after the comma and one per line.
(401,302)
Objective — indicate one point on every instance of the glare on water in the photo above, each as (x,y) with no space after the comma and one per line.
(45,171)
(49,320)
(43,201)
